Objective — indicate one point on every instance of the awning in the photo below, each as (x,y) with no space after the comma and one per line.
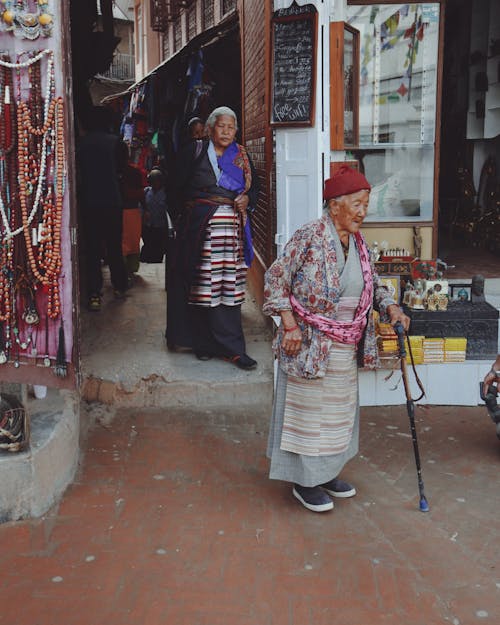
(203,40)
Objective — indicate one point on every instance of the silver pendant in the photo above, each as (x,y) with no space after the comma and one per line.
(3,358)
(34,351)
(24,345)
(30,316)
(46,361)
(16,364)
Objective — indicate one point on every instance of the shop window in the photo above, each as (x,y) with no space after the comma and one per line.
(228,5)
(208,13)
(191,20)
(397,107)
(159,11)
(166,44)
(177,34)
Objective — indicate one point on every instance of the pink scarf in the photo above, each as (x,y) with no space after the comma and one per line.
(349,332)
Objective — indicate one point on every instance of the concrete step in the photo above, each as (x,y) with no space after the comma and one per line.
(126,363)
(178,380)
(33,480)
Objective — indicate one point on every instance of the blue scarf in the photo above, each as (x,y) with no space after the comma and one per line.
(230,173)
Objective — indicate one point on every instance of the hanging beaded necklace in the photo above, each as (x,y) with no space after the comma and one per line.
(32,173)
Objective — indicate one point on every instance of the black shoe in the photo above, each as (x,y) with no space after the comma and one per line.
(313,498)
(203,355)
(243,362)
(339,488)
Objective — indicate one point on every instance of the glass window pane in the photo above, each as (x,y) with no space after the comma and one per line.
(402,182)
(208,13)
(191,22)
(228,5)
(397,106)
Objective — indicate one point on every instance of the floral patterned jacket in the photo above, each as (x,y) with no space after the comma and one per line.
(308,270)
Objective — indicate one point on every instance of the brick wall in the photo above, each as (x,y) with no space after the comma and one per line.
(254,22)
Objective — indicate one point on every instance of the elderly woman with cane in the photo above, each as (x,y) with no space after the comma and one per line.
(323,288)
(218,189)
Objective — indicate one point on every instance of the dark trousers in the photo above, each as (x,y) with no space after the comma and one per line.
(103,237)
(155,244)
(217,330)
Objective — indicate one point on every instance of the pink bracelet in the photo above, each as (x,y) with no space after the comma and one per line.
(295,327)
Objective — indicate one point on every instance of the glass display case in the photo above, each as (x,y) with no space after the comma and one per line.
(398,63)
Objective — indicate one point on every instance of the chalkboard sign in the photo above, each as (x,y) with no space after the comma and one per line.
(293,69)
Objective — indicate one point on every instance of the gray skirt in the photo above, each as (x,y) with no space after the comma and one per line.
(298,468)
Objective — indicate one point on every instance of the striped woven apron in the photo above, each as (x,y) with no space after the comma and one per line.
(220,275)
(319,413)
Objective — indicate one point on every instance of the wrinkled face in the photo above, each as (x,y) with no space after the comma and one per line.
(223,132)
(349,211)
(197,130)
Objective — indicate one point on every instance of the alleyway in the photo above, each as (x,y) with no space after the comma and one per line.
(172,521)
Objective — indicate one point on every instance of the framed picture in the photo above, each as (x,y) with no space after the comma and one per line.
(460,291)
(394,285)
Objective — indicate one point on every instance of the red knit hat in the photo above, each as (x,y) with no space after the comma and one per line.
(345,181)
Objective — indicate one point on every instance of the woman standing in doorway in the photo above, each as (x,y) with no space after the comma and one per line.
(218,189)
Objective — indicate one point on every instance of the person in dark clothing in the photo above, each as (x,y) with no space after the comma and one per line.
(154,219)
(218,189)
(101,158)
(196,128)
(493,375)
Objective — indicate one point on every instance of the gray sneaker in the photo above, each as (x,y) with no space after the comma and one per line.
(339,488)
(313,498)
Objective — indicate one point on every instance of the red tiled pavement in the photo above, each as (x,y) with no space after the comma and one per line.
(173,521)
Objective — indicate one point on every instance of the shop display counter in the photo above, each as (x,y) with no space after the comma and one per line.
(478,322)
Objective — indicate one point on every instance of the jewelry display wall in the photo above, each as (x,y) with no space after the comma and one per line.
(32,186)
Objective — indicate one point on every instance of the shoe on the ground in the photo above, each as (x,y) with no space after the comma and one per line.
(203,355)
(313,498)
(339,488)
(94,304)
(119,294)
(243,362)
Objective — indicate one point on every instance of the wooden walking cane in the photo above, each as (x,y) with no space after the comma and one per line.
(410,406)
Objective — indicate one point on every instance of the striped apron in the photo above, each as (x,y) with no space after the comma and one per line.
(220,275)
(319,414)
